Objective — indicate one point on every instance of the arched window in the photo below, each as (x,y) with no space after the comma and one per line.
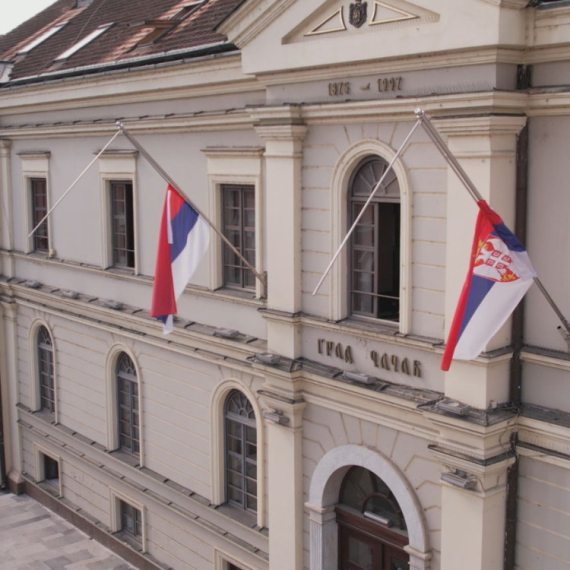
(374,252)
(128,404)
(45,370)
(372,529)
(240,452)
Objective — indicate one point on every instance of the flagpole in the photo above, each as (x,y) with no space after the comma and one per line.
(74,183)
(457,168)
(170,181)
(378,184)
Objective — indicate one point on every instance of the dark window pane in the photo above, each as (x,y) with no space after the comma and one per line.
(239,228)
(241,452)
(39,210)
(375,244)
(128,412)
(45,370)
(122,223)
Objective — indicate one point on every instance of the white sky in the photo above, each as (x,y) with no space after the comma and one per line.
(14,12)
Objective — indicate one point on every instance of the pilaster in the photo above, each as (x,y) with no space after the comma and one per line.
(283,134)
(473,503)
(6,220)
(485,146)
(9,379)
(285,478)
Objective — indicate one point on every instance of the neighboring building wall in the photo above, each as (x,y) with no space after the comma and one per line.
(543,538)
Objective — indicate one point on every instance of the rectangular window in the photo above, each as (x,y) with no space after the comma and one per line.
(38,189)
(131,521)
(122,224)
(129,439)
(238,203)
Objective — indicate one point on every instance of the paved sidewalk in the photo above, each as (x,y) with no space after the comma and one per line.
(34,538)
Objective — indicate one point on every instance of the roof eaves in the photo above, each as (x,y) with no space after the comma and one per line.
(125,64)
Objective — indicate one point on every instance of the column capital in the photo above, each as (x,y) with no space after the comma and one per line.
(5,146)
(480,125)
(286,132)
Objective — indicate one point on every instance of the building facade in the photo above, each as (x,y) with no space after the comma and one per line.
(273,428)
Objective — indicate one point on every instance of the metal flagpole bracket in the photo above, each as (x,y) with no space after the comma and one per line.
(170,181)
(457,168)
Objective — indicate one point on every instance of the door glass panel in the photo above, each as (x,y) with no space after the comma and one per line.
(398,564)
(360,553)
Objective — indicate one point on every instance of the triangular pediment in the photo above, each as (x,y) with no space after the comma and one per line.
(338,17)
(280,36)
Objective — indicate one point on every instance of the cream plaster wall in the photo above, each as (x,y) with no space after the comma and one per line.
(543,536)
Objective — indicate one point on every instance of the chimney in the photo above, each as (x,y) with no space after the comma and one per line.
(82,3)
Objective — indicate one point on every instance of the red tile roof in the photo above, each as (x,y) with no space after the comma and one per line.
(119,43)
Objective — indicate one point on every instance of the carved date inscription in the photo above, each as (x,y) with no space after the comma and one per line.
(342,88)
(389,84)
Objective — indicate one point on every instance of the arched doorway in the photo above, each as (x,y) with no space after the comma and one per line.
(372,530)
(326,490)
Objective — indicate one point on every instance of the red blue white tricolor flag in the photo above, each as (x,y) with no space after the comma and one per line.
(499,275)
(182,242)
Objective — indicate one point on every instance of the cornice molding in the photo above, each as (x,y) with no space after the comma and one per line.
(203,122)
(251,19)
(214,76)
(486,125)
(415,62)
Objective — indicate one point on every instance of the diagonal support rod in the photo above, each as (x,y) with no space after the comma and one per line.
(170,181)
(468,183)
(73,184)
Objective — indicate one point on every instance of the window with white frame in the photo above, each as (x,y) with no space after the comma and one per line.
(122,223)
(117,170)
(36,201)
(374,250)
(240,452)
(236,204)
(127,405)
(131,521)
(128,519)
(39,209)
(45,368)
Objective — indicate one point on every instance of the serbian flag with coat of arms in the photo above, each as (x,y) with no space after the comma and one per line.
(499,275)
(182,242)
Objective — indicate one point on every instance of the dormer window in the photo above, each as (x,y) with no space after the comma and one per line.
(86,40)
(40,39)
(159,28)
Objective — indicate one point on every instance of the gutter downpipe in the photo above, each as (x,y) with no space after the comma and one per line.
(517,329)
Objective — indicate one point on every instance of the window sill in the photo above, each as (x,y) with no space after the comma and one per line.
(243,298)
(241,516)
(130,540)
(125,457)
(46,416)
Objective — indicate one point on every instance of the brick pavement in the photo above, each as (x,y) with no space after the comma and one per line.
(34,538)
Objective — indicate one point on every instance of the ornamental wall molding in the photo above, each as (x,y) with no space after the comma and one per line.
(130,327)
